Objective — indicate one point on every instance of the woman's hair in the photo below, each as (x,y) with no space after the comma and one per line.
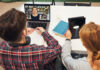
(90,36)
(11,25)
(34,7)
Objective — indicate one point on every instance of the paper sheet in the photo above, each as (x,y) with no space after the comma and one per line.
(37,39)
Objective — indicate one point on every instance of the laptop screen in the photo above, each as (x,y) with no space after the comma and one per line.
(75,23)
(37,12)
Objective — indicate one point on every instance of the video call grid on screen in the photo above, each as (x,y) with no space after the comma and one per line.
(43,11)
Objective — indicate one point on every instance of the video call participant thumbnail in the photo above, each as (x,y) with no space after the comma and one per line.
(35,16)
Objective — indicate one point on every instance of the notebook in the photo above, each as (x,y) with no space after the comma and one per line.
(61,28)
(37,39)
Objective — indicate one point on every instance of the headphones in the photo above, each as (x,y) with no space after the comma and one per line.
(28,41)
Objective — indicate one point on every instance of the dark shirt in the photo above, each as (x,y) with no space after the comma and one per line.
(30,57)
(35,18)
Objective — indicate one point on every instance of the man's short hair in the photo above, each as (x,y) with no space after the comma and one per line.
(11,25)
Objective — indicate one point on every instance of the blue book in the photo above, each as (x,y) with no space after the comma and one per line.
(61,27)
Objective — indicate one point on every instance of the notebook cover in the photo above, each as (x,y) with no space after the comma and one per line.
(61,28)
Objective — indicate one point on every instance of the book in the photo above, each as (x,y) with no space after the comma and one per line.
(61,28)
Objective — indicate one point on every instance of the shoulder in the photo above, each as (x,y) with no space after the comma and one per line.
(4,44)
(31,15)
(38,15)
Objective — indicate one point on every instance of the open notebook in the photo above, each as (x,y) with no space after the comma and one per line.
(37,39)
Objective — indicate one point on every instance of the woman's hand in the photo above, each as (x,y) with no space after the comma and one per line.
(68,34)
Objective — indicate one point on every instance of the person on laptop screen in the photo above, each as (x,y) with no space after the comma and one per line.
(35,16)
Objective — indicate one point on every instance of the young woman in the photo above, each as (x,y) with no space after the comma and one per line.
(69,62)
(90,36)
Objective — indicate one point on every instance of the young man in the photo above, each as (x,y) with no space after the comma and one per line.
(16,53)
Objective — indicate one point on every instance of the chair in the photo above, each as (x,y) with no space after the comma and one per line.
(84,4)
(69,3)
(76,2)
(53,2)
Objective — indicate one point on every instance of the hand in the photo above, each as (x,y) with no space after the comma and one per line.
(29,30)
(68,34)
(40,30)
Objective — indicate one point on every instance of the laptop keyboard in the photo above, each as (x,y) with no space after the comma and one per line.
(37,24)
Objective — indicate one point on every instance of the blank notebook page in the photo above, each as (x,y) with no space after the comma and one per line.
(37,39)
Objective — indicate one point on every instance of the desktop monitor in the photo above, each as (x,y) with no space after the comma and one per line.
(37,12)
(75,23)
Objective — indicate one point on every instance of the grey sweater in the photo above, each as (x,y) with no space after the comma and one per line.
(71,63)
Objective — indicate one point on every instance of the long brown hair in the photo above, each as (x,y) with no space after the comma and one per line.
(90,36)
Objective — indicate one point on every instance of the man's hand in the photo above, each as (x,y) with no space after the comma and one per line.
(68,34)
(29,30)
(40,30)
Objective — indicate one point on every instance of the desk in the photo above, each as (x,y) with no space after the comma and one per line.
(63,13)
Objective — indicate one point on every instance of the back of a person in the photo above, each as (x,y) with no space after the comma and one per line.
(71,63)
(20,59)
(12,59)
(90,36)
(16,53)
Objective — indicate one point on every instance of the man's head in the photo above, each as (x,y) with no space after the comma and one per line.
(12,24)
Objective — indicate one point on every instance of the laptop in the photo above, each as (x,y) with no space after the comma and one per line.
(75,23)
(43,15)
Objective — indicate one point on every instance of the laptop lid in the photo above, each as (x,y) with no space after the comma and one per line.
(75,23)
